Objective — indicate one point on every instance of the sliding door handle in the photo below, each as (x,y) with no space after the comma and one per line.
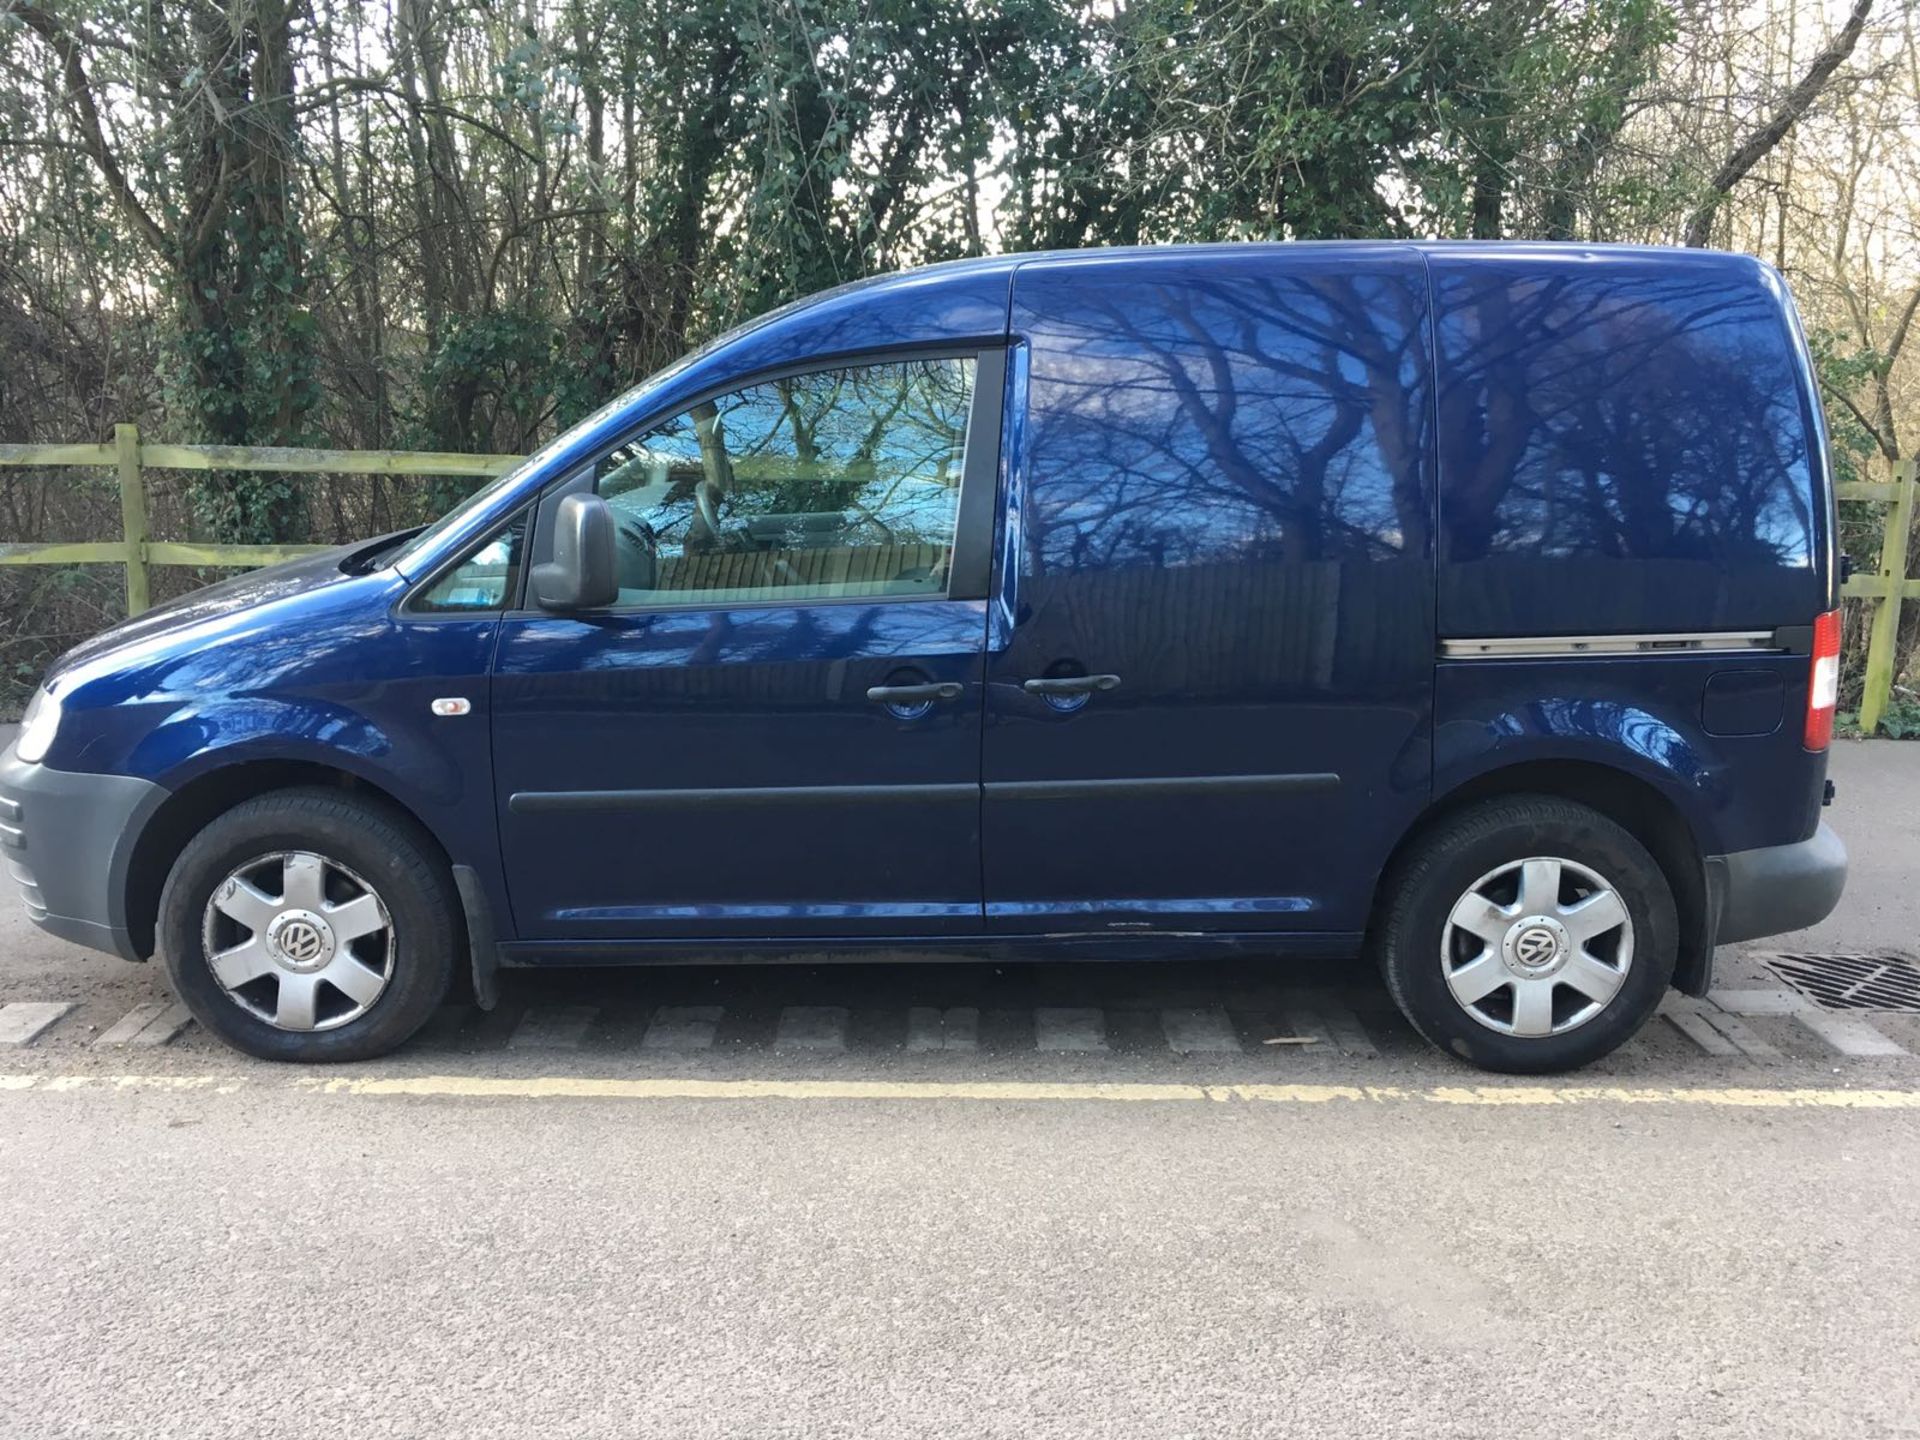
(915,694)
(1072,685)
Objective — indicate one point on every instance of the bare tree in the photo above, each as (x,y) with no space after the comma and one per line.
(1756,146)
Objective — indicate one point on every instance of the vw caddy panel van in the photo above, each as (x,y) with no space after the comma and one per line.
(1470,607)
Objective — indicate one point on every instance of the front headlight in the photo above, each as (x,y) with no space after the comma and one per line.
(37,728)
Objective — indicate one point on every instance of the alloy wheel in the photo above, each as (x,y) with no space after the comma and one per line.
(299,941)
(1537,947)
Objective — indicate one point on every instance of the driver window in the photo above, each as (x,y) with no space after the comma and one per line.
(835,484)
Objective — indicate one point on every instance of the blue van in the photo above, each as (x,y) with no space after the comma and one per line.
(1468,606)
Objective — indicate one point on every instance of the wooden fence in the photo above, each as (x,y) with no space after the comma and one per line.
(1889,585)
(130,459)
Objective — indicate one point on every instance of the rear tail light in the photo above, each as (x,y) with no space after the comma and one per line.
(1823,685)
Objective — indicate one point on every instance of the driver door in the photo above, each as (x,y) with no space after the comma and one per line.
(776,732)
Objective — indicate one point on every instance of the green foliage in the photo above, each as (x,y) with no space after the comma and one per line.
(1312,119)
(1844,368)
(247,374)
(491,374)
(1901,721)
(504,362)
(457,226)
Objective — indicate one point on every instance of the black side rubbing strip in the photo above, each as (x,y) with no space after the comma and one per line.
(532,802)
(1164,785)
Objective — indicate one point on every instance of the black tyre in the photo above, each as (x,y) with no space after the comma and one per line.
(1527,934)
(310,925)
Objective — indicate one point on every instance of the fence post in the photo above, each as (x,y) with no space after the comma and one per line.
(133,514)
(1883,642)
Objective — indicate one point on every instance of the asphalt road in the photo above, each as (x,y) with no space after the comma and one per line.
(894,1200)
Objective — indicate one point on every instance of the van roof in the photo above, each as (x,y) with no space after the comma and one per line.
(941,279)
(1553,252)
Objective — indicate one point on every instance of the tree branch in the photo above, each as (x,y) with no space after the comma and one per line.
(317,96)
(1899,338)
(1756,146)
(93,135)
(1873,431)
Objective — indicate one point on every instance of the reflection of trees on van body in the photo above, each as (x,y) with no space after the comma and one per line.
(1239,453)
(1583,416)
(1639,730)
(758,656)
(778,635)
(1269,418)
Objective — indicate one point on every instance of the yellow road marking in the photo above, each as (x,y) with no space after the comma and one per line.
(581,1087)
(221,1084)
(585,1087)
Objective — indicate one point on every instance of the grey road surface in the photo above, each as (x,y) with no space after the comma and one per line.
(890,1200)
(303,1265)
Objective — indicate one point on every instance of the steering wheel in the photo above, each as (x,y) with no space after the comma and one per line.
(706,500)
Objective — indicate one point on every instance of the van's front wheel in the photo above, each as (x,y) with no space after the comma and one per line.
(309,925)
(1528,934)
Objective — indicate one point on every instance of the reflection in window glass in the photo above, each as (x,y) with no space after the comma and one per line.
(840,483)
(1657,420)
(485,580)
(1270,418)
(1622,448)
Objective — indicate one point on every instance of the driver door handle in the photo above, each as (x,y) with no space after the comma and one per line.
(915,694)
(1071,685)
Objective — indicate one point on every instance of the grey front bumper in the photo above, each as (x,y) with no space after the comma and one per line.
(1779,887)
(67,839)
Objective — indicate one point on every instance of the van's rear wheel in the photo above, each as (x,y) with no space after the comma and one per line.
(1528,934)
(309,925)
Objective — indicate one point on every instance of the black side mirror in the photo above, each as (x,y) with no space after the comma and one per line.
(581,575)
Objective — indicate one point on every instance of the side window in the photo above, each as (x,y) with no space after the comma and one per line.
(1269,416)
(485,580)
(1623,448)
(839,483)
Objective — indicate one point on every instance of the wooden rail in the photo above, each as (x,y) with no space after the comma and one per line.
(130,459)
(1889,585)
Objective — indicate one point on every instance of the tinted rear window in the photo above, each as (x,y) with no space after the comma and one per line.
(1624,447)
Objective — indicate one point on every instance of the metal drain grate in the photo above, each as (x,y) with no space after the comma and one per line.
(1852,982)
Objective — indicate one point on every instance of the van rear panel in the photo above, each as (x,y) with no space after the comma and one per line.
(1628,444)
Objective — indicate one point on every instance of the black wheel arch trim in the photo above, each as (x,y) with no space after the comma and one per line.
(483,942)
(1684,855)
